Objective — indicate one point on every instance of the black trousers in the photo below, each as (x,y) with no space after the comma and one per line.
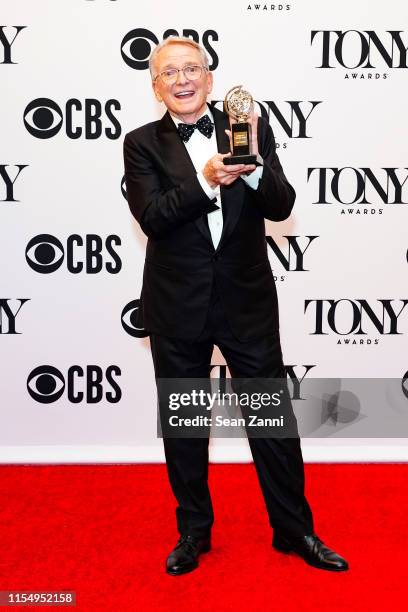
(278,461)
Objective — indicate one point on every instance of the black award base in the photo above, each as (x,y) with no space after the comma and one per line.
(241,151)
(243,159)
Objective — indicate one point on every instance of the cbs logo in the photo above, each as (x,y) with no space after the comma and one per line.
(124,192)
(137,46)
(43,118)
(45,254)
(130,322)
(46,384)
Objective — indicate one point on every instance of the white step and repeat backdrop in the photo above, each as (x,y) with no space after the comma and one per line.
(331,77)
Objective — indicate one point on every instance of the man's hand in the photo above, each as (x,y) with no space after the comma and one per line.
(216,173)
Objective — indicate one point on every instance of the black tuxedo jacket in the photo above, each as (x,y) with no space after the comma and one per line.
(166,198)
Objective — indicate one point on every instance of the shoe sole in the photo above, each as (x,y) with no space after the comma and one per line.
(190,569)
(288,551)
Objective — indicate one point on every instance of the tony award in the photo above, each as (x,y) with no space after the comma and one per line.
(238,104)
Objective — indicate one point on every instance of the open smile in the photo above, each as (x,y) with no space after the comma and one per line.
(186,94)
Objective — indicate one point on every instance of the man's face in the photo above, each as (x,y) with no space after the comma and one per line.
(184,98)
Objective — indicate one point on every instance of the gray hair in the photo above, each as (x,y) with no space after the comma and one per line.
(172,40)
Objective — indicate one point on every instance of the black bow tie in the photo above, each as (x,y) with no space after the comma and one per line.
(204,125)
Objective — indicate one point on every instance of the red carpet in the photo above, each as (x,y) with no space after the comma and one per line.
(104,531)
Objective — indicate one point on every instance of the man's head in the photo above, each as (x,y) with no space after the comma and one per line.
(184,93)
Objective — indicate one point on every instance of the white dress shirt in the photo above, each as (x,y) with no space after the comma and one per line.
(201,149)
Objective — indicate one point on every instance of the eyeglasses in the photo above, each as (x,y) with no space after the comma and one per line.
(170,76)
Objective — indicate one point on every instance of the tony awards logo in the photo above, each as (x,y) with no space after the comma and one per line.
(239,104)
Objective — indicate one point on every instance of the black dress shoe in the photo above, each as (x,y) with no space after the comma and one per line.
(184,558)
(311,549)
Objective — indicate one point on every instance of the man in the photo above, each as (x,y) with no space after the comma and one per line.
(207,280)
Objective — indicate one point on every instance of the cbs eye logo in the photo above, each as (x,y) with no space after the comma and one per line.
(46,384)
(124,192)
(137,46)
(129,319)
(43,118)
(45,254)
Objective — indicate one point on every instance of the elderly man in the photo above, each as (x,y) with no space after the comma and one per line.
(207,281)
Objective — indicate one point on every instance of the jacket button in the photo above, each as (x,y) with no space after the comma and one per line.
(215,257)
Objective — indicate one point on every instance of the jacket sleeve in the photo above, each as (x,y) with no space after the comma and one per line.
(159,211)
(275,196)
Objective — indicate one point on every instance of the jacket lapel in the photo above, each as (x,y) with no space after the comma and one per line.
(231,204)
(179,162)
(173,151)
(180,166)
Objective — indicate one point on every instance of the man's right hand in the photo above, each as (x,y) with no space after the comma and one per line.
(217,173)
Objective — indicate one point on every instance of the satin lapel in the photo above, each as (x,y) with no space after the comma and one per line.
(178,161)
(230,209)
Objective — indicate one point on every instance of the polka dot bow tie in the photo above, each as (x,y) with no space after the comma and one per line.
(204,125)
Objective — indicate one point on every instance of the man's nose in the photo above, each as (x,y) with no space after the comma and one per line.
(181,78)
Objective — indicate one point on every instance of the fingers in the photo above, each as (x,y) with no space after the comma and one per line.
(219,173)
(230,168)
(235,168)
(239,168)
(229,134)
(229,177)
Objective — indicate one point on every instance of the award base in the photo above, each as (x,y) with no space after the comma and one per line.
(243,159)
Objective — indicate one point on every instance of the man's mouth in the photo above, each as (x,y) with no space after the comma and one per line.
(184,95)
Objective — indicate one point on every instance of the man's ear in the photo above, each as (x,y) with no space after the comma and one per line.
(209,82)
(156,92)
